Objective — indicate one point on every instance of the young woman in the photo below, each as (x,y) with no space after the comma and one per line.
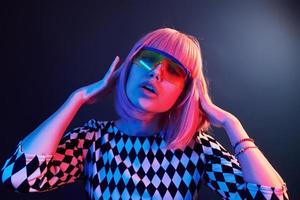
(159,147)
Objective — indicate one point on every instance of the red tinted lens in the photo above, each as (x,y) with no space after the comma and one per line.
(149,60)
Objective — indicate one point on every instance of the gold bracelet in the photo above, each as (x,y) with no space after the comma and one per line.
(244,149)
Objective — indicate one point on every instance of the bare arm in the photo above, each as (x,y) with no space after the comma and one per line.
(45,138)
(255,166)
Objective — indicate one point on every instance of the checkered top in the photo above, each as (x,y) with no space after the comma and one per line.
(114,165)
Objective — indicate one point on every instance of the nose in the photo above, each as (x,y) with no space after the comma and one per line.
(157,71)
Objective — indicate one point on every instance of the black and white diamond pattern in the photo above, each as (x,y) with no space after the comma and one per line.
(118,166)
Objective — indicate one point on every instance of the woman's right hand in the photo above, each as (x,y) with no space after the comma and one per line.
(90,94)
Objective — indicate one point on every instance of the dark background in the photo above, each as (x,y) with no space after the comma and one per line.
(250,52)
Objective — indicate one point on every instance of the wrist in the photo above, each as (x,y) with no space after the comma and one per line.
(77,97)
(231,122)
(235,131)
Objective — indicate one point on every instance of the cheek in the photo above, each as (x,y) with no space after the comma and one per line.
(133,78)
(169,97)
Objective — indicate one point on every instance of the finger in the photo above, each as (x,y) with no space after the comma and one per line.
(203,96)
(111,68)
(114,64)
(116,73)
(203,100)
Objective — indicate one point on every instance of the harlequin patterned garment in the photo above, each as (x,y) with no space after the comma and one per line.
(119,166)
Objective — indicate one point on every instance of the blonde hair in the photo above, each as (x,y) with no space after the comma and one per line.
(185,116)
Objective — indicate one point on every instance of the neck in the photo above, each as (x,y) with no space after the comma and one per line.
(139,127)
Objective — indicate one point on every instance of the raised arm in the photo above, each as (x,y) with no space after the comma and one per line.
(256,168)
(43,160)
(45,138)
(224,175)
(262,180)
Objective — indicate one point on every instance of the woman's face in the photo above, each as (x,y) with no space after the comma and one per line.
(167,92)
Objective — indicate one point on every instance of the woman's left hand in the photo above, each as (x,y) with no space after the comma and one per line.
(217,116)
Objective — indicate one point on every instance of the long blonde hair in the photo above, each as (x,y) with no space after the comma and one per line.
(184,119)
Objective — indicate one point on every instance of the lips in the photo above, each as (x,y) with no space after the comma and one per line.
(149,86)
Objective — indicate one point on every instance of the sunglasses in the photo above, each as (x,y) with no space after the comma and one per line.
(149,58)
